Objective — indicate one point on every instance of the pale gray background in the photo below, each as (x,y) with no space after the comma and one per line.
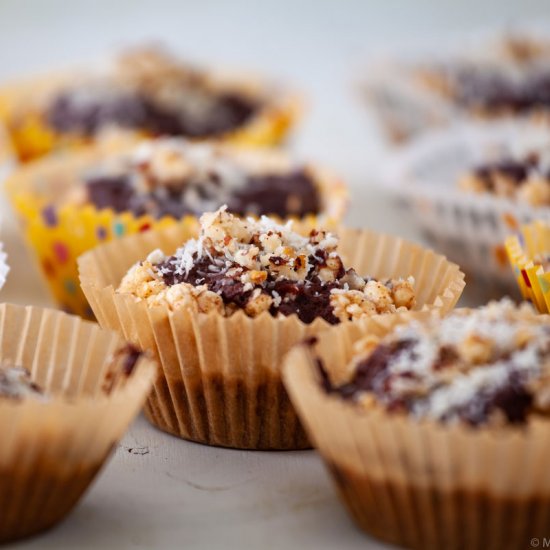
(185,495)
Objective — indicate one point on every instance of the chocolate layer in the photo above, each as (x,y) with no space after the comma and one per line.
(373,375)
(309,298)
(133,110)
(497,92)
(289,194)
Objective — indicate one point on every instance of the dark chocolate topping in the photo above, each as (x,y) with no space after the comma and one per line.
(133,110)
(372,375)
(516,171)
(309,298)
(288,194)
(494,92)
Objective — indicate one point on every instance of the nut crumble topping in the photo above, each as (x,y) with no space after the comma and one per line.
(486,366)
(262,266)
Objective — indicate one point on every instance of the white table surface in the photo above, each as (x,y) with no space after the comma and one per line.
(158,491)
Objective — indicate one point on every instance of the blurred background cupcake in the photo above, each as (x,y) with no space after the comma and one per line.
(68,205)
(142,92)
(470,186)
(501,75)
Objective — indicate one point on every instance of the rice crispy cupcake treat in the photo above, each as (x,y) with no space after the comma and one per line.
(529,256)
(492,78)
(435,431)
(220,311)
(142,92)
(68,391)
(69,205)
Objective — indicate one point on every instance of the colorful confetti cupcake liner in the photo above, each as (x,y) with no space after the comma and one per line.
(522,249)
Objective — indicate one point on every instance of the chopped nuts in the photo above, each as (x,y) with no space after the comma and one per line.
(262,266)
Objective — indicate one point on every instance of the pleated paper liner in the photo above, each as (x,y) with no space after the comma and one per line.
(418,484)
(534,283)
(59,234)
(30,136)
(468,228)
(51,450)
(408,101)
(221,382)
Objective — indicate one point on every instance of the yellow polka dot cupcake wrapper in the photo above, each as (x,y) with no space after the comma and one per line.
(58,236)
(28,135)
(58,231)
(522,249)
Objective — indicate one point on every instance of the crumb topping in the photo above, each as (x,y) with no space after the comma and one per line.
(486,366)
(262,266)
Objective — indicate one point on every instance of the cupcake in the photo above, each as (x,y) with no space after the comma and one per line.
(219,312)
(68,205)
(143,92)
(68,391)
(529,256)
(434,430)
(469,187)
(489,79)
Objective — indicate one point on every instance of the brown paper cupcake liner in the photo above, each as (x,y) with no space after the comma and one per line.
(220,380)
(420,484)
(58,233)
(51,450)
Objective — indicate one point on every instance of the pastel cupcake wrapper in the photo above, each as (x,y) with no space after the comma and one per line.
(52,450)
(221,380)
(419,484)
(29,137)
(59,234)
(469,228)
(534,284)
(406,108)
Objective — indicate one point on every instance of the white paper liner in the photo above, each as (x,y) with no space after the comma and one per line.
(407,109)
(221,381)
(51,450)
(469,228)
(420,484)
